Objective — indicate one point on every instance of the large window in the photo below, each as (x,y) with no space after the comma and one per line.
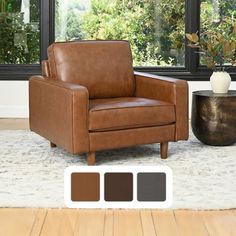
(155,28)
(19,32)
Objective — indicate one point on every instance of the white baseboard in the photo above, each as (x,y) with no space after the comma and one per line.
(14,111)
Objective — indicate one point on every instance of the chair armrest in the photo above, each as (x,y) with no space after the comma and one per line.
(170,90)
(59,112)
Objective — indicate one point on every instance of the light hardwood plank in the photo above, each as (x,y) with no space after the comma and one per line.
(147,223)
(14,124)
(15,221)
(109,223)
(190,223)
(51,226)
(233,211)
(68,221)
(127,223)
(38,222)
(220,223)
(89,223)
(164,222)
(52,222)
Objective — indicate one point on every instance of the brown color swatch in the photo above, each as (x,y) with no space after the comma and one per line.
(85,187)
(118,187)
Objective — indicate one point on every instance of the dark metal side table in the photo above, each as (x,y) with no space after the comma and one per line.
(214,117)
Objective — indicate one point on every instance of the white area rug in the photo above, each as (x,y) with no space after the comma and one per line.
(31,173)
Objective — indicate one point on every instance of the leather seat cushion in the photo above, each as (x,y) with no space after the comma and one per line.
(128,112)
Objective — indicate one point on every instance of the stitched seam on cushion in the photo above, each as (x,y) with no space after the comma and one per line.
(130,127)
(120,108)
(137,125)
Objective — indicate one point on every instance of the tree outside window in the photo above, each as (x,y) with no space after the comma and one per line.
(217,16)
(155,28)
(19,32)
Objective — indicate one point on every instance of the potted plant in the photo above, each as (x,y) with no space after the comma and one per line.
(217,50)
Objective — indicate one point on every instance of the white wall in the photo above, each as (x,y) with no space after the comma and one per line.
(14,97)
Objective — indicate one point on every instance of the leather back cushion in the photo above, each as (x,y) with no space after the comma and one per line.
(104,67)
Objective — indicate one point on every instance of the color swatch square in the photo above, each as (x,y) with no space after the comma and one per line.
(151,186)
(118,186)
(85,186)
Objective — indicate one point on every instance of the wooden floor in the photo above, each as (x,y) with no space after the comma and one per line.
(66,222)
(13,124)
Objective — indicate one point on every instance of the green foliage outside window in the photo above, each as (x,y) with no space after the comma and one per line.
(129,20)
(217,16)
(155,29)
(19,41)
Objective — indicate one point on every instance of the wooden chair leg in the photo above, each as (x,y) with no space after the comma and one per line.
(91,158)
(52,145)
(164,150)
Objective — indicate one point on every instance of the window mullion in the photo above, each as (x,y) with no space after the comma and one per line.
(192,24)
(46,26)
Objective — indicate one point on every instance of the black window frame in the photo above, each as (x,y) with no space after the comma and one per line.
(192,71)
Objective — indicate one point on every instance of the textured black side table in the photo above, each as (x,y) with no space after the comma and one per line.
(214,117)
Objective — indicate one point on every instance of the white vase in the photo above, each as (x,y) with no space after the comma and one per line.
(220,82)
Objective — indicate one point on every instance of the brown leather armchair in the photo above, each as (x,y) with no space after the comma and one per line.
(89,99)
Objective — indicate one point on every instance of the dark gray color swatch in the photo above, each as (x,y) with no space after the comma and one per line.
(151,186)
